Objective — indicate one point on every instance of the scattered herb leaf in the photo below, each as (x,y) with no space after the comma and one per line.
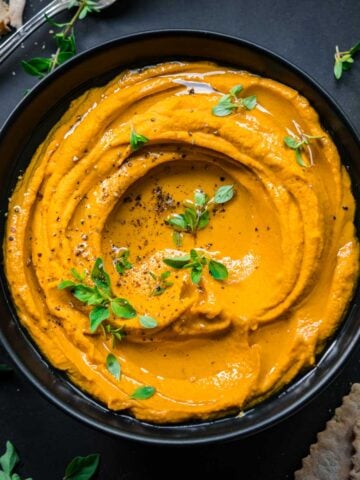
(231,101)
(143,393)
(113,366)
(147,322)
(5,368)
(82,468)
(137,140)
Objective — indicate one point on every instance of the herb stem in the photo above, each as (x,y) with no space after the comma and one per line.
(68,30)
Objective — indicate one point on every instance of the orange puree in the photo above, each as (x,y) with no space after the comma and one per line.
(287,239)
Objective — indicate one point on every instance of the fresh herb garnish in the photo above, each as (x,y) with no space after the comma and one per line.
(65,40)
(147,322)
(99,296)
(143,393)
(137,140)
(344,60)
(162,283)
(113,366)
(8,462)
(82,468)
(196,215)
(116,333)
(196,262)
(231,101)
(122,261)
(298,142)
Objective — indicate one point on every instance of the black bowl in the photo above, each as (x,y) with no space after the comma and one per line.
(27,127)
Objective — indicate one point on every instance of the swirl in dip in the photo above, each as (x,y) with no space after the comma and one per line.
(286,237)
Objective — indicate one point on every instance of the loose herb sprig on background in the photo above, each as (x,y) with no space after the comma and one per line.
(162,283)
(5,369)
(8,462)
(65,40)
(232,102)
(196,262)
(80,468)
(297,143)
(197,215)
(344,60)
(98,296)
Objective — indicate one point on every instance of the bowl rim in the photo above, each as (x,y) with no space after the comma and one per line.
(298,403)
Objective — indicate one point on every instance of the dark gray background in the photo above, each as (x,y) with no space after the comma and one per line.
(305,33)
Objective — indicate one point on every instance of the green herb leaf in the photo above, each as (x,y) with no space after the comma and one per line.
(204,220)
(147,322)
(77,275)
(355,49)
(177,262)
(97,316)
(218,270)
(38,67)
(88,295)
(66,284)
(100,277)
(50,21)
(177,221)
(113,366)
(137,140)
(143,393)
(224,194)
(177,238)
(299,158)
(10,458)
(236,90)
(338,69)
(82,468)
(122,308)
(249,102)
(292,142)
(196,273)
(200,198)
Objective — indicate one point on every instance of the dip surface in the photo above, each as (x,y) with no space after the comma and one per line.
(287,238)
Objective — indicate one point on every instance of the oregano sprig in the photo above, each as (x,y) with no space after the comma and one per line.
(196,261)
(64,39)
(122,262)
(344,60)
(99,296)
(231,102)
(8,462)
(196,215)
(162,283)
(298,142)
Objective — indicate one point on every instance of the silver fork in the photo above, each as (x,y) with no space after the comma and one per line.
(54,7)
